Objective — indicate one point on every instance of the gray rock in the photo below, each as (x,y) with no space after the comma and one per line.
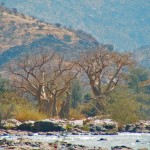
(141,126)
(10,123)
(121,148)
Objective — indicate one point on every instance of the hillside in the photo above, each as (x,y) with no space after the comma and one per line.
(19,29)
(123,23)
(142,56)
(21,34)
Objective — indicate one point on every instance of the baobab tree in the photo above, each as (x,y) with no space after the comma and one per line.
(44,76)
(28,75)
(59,81)
(103,69)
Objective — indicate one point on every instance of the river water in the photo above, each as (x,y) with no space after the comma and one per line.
(126,139)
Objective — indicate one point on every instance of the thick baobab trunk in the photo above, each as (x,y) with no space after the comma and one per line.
(54,107)
(67,105)
(39,97)
(43,102)
(62,112)
(99,99)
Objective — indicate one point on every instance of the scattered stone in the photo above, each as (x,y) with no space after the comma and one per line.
(30,134)
(25,127)
(49,133)
(41,126)
(140,127)
(121,148)
(10,123)
(102,139)
(75,133)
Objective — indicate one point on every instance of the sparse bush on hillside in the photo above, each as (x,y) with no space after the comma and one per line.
(67,38)
(41,27)
(15,11)
(58,25)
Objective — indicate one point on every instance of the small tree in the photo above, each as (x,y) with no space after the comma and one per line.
(60,80)
(3,85)
(122,106)
(28,75)
(139,80)
(14,10)
(103,69)
(76,93)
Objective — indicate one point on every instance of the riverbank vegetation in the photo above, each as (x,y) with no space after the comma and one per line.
(99,83)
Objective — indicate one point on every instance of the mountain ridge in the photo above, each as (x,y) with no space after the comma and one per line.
(123,23)
(23,34)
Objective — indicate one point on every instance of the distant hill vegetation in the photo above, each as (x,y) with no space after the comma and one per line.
(123,23)
(22,34)
(142,56)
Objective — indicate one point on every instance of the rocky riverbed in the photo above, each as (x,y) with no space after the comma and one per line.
(26,143)
(92,133)
(11,139)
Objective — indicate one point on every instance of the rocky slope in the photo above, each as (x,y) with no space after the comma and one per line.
(21,34)
(124,23)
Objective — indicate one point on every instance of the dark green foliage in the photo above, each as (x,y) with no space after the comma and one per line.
(91,112)
(109,126)
(110,47)
(14,10)
(134,83)
(67,38)
(3,85)
(141,73)
(136,77)
(76,93)
(58,25)
(123,107)
(144,105)
(87,97)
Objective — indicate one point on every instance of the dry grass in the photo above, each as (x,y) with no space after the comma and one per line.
(76,114)
(24,113)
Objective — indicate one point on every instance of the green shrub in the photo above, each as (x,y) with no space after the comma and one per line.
(123,107)
(86,128)
(68,127)
(6,112)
